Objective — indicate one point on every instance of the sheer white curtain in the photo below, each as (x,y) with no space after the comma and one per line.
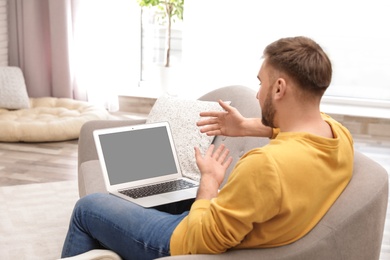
(75,48)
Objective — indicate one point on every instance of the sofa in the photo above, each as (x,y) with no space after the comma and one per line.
(352,228)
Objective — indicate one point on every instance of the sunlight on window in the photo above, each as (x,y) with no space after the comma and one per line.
(225,49)
(107,44)
(153,51)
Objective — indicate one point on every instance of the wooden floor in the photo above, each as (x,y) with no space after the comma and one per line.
(27,163)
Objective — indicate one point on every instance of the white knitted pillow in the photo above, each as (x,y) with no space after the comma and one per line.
(13,92)
(182,115)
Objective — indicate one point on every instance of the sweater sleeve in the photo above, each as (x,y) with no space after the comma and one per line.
(251,195)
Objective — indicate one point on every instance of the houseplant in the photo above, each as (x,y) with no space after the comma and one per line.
(169,11)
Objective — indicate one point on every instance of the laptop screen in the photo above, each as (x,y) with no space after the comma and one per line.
(137,154)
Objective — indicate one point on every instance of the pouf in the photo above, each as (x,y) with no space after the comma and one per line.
(48,119)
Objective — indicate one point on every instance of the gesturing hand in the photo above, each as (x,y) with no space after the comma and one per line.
(212,166)
(228,122)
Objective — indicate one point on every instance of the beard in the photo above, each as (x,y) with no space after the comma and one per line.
(268,112)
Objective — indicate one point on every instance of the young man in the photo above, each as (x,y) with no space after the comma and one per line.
(275,194)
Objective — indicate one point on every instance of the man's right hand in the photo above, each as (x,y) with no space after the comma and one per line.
(227,123)
(231,123)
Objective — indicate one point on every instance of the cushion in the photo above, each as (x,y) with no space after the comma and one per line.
(182,115)
(13,92)
(48,119)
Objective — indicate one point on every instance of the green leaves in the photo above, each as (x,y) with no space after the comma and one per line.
(148,2)
(170,8)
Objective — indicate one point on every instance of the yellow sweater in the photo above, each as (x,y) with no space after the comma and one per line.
(274,196)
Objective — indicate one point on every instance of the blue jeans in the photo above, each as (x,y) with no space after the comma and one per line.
(105,221)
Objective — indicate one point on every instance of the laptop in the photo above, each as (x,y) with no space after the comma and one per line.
(139,164)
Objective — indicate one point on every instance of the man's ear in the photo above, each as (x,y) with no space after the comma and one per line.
(280,88)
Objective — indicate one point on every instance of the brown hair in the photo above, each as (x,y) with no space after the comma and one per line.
(303,60)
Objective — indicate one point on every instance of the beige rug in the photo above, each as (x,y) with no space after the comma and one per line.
(34,219)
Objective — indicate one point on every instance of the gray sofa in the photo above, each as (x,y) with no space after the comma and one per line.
(352,229)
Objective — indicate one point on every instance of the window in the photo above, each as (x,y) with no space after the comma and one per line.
(225,49)
(107,48)
(119,47)
(153,47)
(153,41)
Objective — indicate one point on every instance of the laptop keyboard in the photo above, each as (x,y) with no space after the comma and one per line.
(159,188)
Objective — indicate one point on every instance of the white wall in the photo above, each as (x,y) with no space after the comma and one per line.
(223,41)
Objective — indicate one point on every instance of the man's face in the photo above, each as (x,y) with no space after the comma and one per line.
(264,95)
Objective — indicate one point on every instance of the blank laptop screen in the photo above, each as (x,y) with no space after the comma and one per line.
(137,154)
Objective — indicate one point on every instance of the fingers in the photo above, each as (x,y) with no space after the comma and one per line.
(224,155)
(213,124)
(210,113)
(209,126)
(197,152)
(211,130)
(227,163)
(208,121)
(210,151)
(213,133)
(214,163)
(219,154)
(224,105)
